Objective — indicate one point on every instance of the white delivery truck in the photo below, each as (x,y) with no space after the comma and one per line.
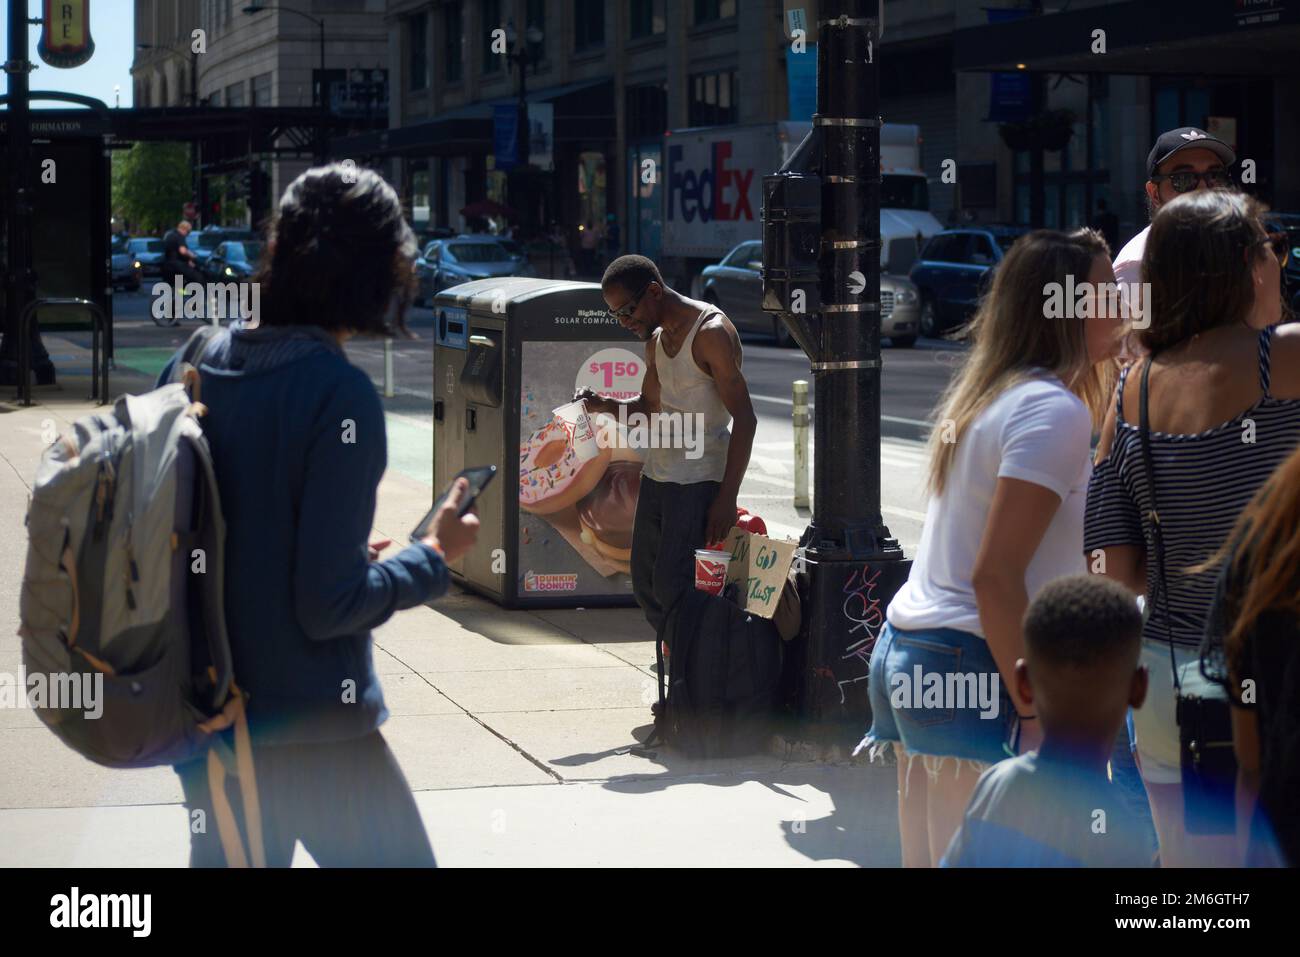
(712,189)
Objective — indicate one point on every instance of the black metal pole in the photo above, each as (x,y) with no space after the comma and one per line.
(523,107)
(320,92)
(854,564)
(521,199)
(21,281)
(194,143)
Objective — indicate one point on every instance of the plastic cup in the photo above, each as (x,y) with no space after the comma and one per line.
(578,422)
(711,570)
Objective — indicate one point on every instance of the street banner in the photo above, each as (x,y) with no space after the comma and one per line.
(541,135)
(65,33)
(801,81)
(505,135)
(1009,93)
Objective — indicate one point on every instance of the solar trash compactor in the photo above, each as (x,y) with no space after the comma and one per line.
(556,525)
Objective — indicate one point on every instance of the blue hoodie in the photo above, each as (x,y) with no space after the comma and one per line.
(297,438)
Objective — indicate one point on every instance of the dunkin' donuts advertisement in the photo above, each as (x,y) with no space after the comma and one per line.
(578,478)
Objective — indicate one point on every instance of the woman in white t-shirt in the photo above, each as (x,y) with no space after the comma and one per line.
(1009,469)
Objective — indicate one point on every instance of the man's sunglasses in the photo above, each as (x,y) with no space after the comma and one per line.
(629,307)
(1184,181)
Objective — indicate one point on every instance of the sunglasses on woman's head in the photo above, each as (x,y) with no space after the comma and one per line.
(1280,243)
(1184,181)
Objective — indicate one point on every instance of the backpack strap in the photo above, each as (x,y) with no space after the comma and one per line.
(220,760)
(1157,533)
(186,370)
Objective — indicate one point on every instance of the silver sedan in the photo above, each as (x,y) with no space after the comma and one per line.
(735,285)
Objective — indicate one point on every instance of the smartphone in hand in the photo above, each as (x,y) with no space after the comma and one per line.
(478,478)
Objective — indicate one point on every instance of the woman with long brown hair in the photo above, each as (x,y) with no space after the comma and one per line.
(1223,388)
(1252,647)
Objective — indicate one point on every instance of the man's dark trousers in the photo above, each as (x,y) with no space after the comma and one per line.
(670,525)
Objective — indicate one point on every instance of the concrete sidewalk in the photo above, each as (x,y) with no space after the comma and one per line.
(512,728)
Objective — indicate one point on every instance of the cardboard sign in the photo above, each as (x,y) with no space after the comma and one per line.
(759,566)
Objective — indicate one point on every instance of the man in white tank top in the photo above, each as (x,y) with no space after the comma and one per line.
(693,387)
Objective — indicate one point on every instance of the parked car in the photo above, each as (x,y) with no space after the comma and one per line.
(202,242)
(234,260)
(1290,224)
(449,262)
(126,270)
(954,270)
(735,285)
(148,251)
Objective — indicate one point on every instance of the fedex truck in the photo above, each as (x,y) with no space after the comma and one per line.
(712,188)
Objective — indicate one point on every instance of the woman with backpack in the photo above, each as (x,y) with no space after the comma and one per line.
(1009,467)
(298,445)
(1219,389)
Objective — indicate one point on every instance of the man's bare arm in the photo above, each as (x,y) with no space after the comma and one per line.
(717,348)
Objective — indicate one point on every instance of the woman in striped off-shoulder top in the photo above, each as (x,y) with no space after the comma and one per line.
(1224,412)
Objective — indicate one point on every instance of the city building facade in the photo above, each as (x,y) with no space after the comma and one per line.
(261,54)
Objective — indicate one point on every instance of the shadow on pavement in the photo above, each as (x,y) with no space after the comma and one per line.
(860,828)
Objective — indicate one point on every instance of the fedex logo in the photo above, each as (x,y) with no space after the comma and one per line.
(716,192)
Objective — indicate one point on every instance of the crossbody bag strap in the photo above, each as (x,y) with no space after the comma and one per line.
(1153,515)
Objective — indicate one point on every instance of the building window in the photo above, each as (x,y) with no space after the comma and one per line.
(214,99)
(706,11)
(235,94)
(588,24)
(647,110)
(491,22)
(713,101)
(420,194)
(646,19)
(536,18)
(452,34)
(262,90)
(417,51)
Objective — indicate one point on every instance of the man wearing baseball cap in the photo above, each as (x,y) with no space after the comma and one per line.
(1182,160)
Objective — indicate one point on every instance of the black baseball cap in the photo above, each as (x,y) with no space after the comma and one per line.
(1187,137)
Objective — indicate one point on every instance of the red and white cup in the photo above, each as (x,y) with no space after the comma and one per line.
(711,570)
(579,426)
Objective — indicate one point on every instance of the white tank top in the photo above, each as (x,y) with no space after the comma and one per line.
(693,422)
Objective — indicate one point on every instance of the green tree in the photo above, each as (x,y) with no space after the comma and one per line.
(151,184)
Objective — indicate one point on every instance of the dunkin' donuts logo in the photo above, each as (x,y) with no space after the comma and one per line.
(564,582)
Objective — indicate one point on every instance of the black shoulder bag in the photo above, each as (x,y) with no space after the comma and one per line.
(1209,764)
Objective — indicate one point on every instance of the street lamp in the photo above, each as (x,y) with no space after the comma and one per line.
(518,53)
(318,94)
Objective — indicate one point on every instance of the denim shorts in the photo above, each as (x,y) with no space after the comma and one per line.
(963,712)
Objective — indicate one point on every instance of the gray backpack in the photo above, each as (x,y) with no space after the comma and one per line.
(122,606)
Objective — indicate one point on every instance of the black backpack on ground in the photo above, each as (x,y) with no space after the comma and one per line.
(724,665)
